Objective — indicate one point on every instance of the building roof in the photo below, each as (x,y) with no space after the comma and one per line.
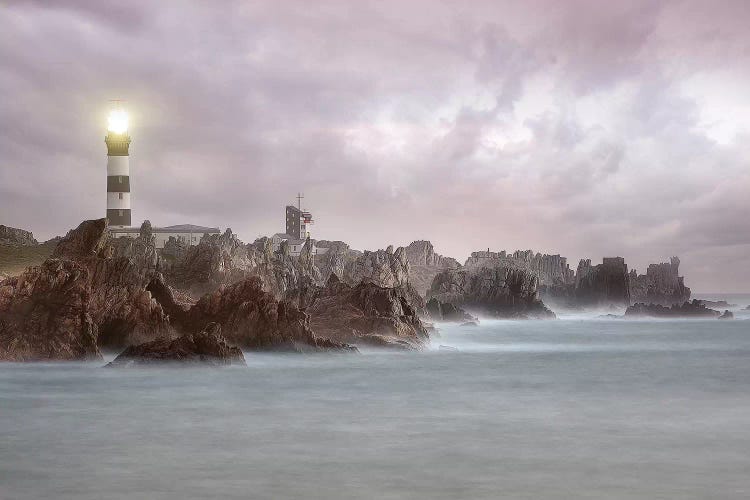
(180,228)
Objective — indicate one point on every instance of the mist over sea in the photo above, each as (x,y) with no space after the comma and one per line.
(580,407)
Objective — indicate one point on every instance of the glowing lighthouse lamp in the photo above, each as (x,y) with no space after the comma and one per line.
(118,170)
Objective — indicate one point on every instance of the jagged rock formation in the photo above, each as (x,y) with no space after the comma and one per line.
(605,284)
(661,284)
(85,297)
(207,347)
(445,311)
(254,319)
(425,264)
(385,268)
(16,237)
(366,314)
(692,309)
(505,291)
(556,279)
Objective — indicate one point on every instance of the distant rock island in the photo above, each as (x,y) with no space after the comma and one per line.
(87,293)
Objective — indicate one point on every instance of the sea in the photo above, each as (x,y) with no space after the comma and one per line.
(582,407)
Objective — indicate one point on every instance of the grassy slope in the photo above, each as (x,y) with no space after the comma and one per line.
(13,260)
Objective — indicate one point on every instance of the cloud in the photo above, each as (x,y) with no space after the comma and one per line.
(582,128)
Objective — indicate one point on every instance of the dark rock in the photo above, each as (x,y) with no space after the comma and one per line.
(366,314)
(16,237)
(254,319)
(445,311)
(692,309)
(206,347)
(661,284)
(502,292)
(470,323)
(85,291)
(45,314)
(716,303)
(605,284)
(727,314)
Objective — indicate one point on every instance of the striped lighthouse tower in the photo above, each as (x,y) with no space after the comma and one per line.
(118,170)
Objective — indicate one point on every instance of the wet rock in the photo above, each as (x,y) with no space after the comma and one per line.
(207,347)
(716,303)
(366,314)
(727,314)
(692,309)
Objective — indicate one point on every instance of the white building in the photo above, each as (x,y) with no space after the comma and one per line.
(186,233)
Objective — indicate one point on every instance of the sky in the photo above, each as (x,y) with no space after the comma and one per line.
(581,128)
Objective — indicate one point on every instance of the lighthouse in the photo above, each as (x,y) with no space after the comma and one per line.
(118,170)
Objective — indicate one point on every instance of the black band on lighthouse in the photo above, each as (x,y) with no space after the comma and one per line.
(118,216)
(118,184)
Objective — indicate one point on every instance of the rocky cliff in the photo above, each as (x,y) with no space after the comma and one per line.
(366,313)
(661,284)
(605,284)
(90,294)
(425,264)
(16,237)
(503,291)
(692,309)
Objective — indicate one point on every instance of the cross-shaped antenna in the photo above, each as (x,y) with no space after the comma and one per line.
(299,200)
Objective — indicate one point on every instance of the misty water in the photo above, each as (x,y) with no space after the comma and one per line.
(579,407)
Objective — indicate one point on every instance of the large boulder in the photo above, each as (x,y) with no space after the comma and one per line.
(366,314)
(207,347)
(255,320)
(505,291)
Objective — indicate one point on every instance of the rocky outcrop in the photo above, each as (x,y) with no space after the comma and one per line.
(45,314)
(716,303)
(384,268)
(692,309)
(661,284)
(727,314)
(445,311)
(207,347)
(556,279)
(505,291)
(605,284)
(16,237)
(255,320)
(90,294)
(425,264)
(366,314)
